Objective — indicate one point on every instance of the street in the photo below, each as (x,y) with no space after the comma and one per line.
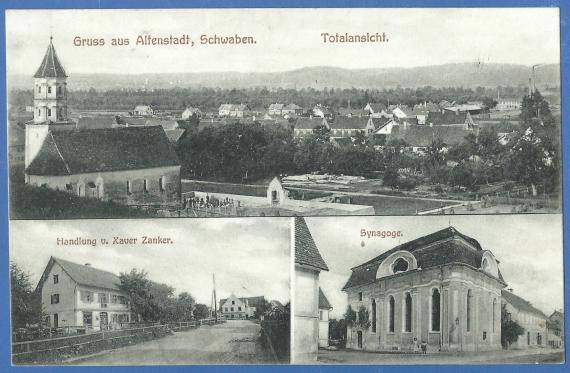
(485,357)
(233,342)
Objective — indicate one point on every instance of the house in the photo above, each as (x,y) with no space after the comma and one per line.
(308,265)
(555,328)
(233,111)
(291,110)
(322,112)
(402,111)
(234,308)
(109,164)
(78,295)
(508,103)
(443,289)
(419,138)
(421,111)
(324,311)
(275,109)
(377,110)
(304,126)
(190,112)
(472,109)
(383,126)
(450,118)
(530,318)
(143,111)
(350,126)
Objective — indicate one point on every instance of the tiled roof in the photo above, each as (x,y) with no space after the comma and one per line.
(251,301)
(69,152)
(87,275)
(377,107)
(50,67)
(447,117)
(306,252)
(349,123)
(304,123)
(521,304)
(323,301)
(423,135)
(442,250)
(97,122)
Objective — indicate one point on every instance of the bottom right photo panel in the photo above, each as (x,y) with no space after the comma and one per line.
(428,290)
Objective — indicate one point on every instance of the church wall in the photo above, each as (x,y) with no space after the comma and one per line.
(114,185)
(453,283)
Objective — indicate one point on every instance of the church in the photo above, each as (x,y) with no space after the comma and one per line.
(132,166)
(442,290)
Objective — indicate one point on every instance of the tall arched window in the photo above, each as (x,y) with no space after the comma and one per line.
(373,316)
(408,313)
(391,306)
(468,323)
(435,310)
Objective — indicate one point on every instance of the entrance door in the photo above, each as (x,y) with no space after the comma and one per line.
(104,320)
(55,320)
(359,334)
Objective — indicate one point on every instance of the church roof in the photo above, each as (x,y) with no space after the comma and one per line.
(306,251)
(50,67)
(438,248)
(68,152)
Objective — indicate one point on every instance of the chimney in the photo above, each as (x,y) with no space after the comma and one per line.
(87,264)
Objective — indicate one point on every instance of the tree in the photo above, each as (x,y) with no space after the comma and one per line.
(489,102)
(337,331)
(391,177)
(510,329)
(363,320)
(185,307)
(25,303)
(201,311)
(350,315)
(137,286)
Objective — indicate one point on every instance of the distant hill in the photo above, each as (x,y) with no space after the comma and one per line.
(448,75)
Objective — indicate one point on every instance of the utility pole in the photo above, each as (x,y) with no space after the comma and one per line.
(214,299)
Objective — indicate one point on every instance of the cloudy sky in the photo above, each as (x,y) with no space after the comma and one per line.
(249,256)
(529,248)
(285,38)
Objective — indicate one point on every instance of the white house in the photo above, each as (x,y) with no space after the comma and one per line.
(143,110)
(324,311)
(76,295)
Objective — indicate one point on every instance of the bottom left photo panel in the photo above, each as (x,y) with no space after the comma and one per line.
(150,292)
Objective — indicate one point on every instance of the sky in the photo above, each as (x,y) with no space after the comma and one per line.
(250,256)
(286,39)
(528,247)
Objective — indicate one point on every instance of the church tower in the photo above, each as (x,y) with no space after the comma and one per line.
(50,89)
(50,103)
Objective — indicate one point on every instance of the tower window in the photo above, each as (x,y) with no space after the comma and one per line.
(145,186)
(39,89)
(128,187)
(49,112)
(59,90)
(49,89)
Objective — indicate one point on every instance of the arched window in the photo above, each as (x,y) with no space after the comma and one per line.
(408,313)
(468,323)
(435,310)
(391,307)
(400,265)
(373,316)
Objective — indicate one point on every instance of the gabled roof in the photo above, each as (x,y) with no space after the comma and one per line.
(422,135)
(276,106)
(50,67)
(353,123)
(251,301)
(175,135)
(306,252)
(305,123)
(323,301)
(521,304)
(85,275)
(447,117)
(381,122)
(443,249)
(69,152)
(376,106)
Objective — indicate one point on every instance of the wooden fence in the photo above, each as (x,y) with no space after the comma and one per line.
(60,348)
